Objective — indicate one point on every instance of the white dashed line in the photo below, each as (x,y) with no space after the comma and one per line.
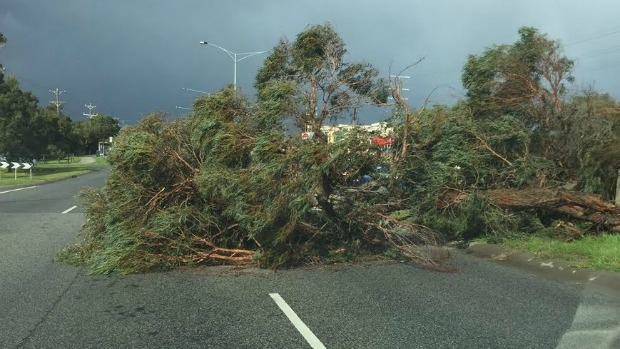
(301,327)
(69,209)
(18,189)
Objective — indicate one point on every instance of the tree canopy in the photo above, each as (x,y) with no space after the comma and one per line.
(312,82)
(227,184)
(527,78)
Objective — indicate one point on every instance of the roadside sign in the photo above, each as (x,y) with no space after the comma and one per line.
(17,165)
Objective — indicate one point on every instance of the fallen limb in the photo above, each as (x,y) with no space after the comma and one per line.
(575,204)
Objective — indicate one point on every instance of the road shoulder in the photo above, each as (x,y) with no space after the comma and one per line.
(554,269)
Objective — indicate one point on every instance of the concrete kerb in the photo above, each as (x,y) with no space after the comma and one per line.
(559,270)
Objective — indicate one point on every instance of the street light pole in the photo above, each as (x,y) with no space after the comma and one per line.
(234,56)
(199,91)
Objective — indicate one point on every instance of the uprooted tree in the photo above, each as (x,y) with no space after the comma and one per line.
(227,184)
(519,133)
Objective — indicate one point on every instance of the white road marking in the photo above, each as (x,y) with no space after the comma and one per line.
(301,327)
(18,189)
(69,209)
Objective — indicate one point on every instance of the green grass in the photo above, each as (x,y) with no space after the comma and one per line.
(50,171)
(596,252)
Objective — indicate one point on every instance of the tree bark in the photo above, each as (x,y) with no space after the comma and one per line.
(575,204)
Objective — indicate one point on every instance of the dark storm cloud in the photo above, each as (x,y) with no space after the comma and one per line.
(133,57)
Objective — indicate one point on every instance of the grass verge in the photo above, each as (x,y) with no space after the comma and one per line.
(596,252)
(50,171)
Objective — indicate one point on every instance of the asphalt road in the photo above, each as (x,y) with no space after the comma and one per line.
(45,304)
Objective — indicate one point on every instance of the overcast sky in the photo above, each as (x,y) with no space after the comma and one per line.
(133,57)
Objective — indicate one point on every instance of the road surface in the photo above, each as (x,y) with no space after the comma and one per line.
(46,304)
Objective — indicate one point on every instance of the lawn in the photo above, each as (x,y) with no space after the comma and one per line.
(597,252)
(50,171)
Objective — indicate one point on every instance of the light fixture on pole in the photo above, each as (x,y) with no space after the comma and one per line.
(236,57)
(199,91)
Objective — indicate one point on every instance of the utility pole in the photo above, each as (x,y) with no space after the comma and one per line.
(398,79)
(90,107)
(57,102)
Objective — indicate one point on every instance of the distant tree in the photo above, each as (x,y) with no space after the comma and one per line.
(97,129)
(310,81)
(52,133)
(17,108)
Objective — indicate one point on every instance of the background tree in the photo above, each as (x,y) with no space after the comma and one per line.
(590,145)
(52,133)
(324,85)
(17,108)
(97,129)
(526,79)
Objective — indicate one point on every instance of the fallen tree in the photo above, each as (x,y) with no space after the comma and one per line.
(227,185)
(566,210)
(573,204)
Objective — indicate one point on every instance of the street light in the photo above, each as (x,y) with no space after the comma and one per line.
(199,91)
(234,56)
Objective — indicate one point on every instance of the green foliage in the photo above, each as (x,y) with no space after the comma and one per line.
(227,184)
(473,217)
(220,181)
(455,158)
(322,85)
(17,108)
(97,129)
(526,79)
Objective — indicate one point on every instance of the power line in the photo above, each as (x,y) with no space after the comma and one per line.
(596,53)
(595,36)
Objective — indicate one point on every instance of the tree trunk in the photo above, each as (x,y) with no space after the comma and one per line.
(575,204)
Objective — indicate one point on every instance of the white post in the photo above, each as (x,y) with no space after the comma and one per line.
(617,201)
(235,74)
